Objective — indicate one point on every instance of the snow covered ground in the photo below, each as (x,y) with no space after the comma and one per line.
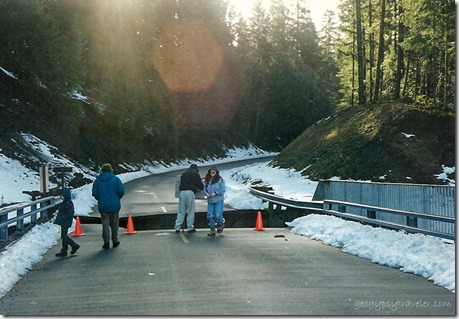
(426,256)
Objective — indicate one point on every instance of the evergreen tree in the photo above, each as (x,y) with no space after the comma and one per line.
(33,49)
(328,72)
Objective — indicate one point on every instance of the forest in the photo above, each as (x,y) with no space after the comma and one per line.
(165,80)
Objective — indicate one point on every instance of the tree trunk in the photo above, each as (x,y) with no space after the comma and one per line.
(361,70)
(407,70)
(400,55)
(372,49)
(380,51)
(434,65)
(353,70)
(445,85)
(418,85)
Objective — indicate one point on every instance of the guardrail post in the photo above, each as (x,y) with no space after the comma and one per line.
(411,221)
(33,218)
(278,209)
(371,213)
(4,229)
(44,213)
(20,222)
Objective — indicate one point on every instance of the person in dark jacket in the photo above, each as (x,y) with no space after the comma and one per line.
(190,183)
(64,219)
(108,190)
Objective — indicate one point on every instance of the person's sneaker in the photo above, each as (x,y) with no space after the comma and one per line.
(212,232)
(106,246)
(61,254)
(74,249)
(116,244)
(220,228)
(192,230)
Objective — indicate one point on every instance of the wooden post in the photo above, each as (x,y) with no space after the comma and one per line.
(44,177)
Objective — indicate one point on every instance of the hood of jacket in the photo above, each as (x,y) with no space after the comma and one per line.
(105,176)
(65,192)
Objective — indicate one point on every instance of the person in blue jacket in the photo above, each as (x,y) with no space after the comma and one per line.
(214,187)
(64,219)
(108,190)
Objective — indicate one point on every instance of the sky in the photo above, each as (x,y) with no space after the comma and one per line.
(426,256)
(317,8)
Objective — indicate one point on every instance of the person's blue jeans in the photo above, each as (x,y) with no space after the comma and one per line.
(215,213)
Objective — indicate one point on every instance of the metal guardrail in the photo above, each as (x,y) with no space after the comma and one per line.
(35,210)
(414,222)
(282,201)
(411,217)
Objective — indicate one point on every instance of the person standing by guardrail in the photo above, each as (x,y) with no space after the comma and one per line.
(64,219)
(108,190)
(190,183)
(214,189)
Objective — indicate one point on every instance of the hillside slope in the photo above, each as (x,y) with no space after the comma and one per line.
(387,142)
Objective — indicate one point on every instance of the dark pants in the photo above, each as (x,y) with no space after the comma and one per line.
(66,240)
(110,221)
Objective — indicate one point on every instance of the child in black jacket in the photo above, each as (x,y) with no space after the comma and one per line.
(64,218)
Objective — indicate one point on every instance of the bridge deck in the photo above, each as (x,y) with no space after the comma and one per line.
(245,272)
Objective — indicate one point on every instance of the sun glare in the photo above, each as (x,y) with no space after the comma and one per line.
(197,45)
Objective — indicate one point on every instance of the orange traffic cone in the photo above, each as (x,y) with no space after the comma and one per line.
(78,232)
(259,223)
(130,226)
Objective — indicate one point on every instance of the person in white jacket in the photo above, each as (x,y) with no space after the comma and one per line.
(214,187)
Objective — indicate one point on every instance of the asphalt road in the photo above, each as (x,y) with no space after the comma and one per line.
(244,272)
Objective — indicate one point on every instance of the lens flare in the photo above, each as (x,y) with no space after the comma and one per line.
(191,64)
(187,57)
